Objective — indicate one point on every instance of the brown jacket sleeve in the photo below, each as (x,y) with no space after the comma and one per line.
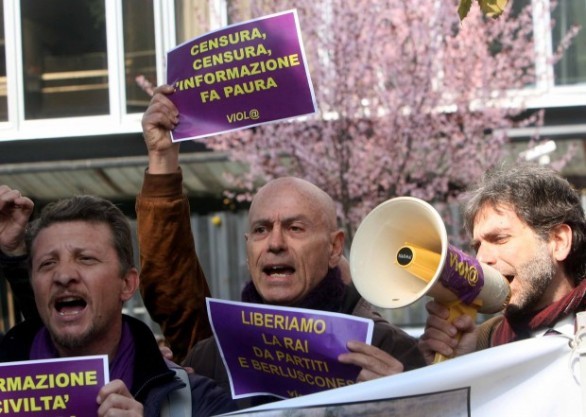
(485,331)
(172,283)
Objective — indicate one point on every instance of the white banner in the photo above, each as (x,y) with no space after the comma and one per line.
(535,377)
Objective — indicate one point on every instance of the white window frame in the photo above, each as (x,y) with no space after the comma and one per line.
(118,121)
(546,94)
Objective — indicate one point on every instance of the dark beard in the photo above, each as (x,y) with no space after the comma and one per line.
(541,271)
(74,343)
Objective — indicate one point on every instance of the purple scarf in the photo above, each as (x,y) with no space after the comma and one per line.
(326,296)
(121,367)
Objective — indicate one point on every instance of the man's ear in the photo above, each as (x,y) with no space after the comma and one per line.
(337,242)
(129,285)
(560,240)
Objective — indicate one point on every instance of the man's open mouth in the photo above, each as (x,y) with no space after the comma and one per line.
(279,270)
(67,306)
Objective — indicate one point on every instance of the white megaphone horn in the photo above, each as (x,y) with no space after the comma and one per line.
(400,253)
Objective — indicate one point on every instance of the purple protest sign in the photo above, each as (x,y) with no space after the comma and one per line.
(281,351)
(462,274)
(52,387)
(240,76)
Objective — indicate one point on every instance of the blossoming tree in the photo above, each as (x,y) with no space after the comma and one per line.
(412,101)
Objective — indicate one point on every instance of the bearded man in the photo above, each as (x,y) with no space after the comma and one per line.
(528,223)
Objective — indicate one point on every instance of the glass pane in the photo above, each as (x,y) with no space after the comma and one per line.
(520,8)
(571,69)
(65,61)
(139,51)
(242,10)
(3,89)
(193,18)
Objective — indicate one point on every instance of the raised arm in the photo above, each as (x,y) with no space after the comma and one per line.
(15,211)
(172,284)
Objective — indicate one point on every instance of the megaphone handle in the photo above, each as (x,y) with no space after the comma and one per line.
(457,308)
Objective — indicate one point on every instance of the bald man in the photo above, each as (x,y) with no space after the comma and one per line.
(294,249)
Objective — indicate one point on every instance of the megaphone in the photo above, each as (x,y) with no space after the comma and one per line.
(400,253)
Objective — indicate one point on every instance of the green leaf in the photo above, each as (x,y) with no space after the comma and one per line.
(464,8)
(493,8)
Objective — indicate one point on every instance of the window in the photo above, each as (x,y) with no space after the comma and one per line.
(73,65)
(139,51)
(571,69)
(196,17)
(65,65)
(564,14)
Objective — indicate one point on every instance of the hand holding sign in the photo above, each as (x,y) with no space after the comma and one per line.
(375,362)
(114,397)
(288,352)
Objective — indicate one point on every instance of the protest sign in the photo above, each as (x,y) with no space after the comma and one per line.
(52,387)
(534,377)
(240,76)
(285,352)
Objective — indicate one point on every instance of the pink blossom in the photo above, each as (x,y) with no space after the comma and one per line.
(420,100)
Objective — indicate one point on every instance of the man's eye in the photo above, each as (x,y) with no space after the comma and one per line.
(501,240)
(259,230)
(87,259)
(46,264)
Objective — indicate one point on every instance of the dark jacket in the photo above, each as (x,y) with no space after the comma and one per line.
(14,271)
(153,379)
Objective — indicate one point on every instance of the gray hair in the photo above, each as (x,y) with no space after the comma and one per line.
(541,198)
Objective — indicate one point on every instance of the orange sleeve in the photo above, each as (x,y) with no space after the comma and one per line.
(172,283)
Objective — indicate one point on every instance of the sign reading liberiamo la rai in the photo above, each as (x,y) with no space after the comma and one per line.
(285,352)
(240,76)
(52,387)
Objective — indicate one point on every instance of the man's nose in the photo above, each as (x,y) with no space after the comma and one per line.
(276,240)
(485,255)
(65,273)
